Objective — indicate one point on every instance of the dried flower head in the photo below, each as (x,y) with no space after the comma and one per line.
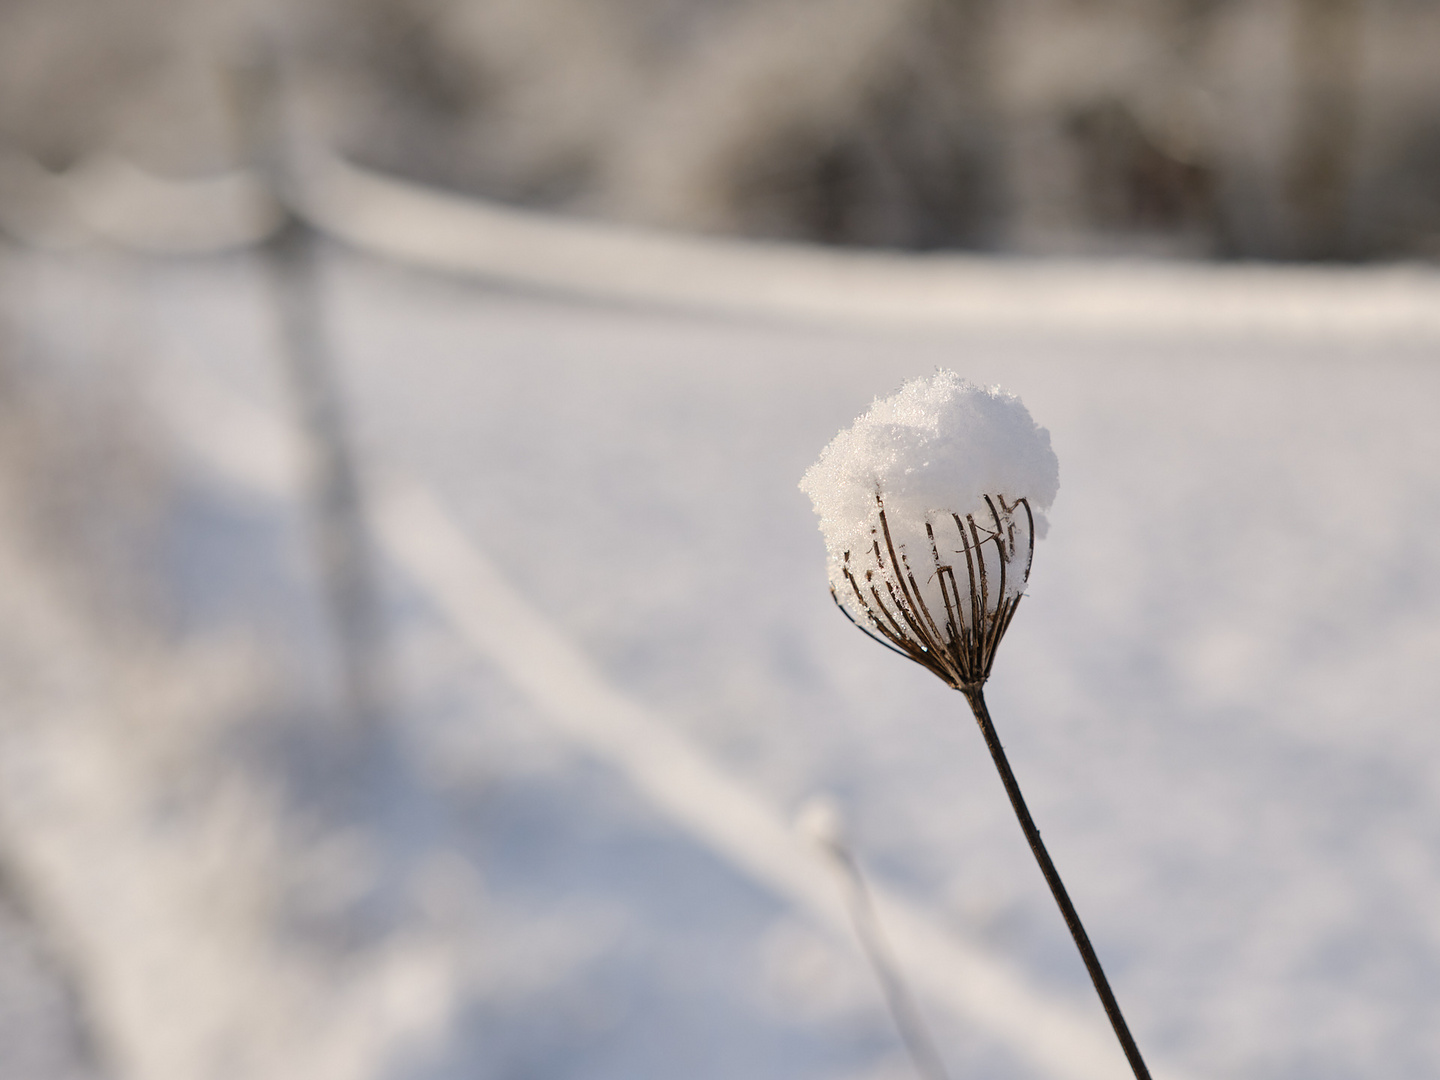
(931,503)
(945,476)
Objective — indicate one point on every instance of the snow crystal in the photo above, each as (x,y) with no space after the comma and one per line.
(943,453)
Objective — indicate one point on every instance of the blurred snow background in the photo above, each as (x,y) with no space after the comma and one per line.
(242,837)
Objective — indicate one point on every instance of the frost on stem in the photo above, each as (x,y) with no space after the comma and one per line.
(931,503)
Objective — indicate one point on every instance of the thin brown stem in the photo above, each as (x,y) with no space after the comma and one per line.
(975,695)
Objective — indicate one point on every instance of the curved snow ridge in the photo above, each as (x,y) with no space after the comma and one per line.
(398,219)
(427,227)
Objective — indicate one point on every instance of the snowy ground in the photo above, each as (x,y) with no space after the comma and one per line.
(1220,696)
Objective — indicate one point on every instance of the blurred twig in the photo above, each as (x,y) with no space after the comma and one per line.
(84,1047)
(1327,49)
(336,502)
(822,823)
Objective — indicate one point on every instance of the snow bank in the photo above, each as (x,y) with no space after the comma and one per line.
(944,453)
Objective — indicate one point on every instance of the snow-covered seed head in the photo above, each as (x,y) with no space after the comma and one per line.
(930,504)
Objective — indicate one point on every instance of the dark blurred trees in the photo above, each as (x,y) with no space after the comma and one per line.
(1244,128)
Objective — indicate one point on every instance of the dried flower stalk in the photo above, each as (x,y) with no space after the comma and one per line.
(960,649)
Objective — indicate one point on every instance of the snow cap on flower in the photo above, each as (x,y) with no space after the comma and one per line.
(954,478)
(937,446)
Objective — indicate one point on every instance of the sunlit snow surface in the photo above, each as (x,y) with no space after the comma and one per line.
(1220,695)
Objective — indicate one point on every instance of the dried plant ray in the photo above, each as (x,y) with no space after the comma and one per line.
(961,647)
